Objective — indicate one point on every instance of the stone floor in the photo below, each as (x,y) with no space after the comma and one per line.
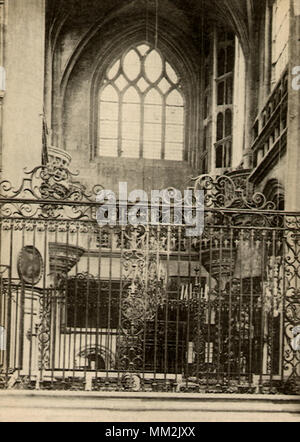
(138,407)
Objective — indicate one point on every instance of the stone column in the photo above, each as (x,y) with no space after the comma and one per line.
(292,202)
(250,98)
(292,178)
(23,104)
(2,71)
(268,48)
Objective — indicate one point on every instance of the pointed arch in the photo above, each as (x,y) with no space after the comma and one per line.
(150,96)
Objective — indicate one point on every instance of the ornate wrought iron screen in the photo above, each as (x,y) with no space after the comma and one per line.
(147,307)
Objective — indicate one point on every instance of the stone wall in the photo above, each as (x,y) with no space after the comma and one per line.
(280,37)
(23,102)
(77,60)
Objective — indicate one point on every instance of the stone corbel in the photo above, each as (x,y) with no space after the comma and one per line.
(63,258)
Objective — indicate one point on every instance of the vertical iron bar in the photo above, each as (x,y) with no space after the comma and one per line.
(241,245)
(65,302)
(156,315)
(178,302)
(87,303)
(251,326)
(283,297)
(56,302)
(199,315)
(262,316)
(45,299)
(230,308)
(120,326)
(188,304)
(20,338)
(16,328)
(33,333)
(9,293)
(109,331)
(272,309)
(82,302)
(167,305)
(147,252)
(98,348)
(208,311)
(74,308)
(220,332)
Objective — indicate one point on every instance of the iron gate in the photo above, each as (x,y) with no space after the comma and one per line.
(146,307)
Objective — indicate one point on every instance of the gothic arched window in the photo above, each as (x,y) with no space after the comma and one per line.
(141,107)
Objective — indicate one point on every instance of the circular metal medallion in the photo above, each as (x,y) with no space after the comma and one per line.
(30,265)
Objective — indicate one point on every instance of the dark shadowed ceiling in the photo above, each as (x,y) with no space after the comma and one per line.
(240,15)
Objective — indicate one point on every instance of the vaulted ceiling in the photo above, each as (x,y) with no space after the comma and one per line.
(240,15)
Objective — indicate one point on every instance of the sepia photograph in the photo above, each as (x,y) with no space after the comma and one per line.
(149,213)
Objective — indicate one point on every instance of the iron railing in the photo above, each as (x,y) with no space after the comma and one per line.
(146,307)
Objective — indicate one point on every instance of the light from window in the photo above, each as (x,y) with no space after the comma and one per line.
(141,108)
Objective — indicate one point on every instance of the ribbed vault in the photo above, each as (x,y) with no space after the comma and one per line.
(240,15)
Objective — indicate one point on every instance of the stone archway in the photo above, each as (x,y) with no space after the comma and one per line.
(274,191)
(95,358)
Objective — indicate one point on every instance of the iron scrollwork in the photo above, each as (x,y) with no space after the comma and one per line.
(49,191)
(143,292)
(255,270)
(44,331)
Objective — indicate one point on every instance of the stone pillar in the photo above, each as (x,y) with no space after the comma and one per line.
(292,179)
(2,71)
(23,104)
(291,369)
(268,48)
(250,99)
(48,83)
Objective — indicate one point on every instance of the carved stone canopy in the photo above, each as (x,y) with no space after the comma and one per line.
(63,257)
